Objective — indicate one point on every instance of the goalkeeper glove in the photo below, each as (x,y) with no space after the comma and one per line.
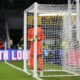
(37,37)
(32,40)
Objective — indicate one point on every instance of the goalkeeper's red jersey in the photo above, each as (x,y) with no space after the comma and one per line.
(39,42)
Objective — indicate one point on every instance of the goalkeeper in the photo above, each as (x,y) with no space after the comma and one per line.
(40,37)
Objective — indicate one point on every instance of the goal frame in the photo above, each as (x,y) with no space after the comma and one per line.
(34,8)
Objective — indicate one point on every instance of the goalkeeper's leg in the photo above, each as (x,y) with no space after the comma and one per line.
(31,62)
(40,60)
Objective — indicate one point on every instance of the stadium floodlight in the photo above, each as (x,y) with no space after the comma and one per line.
(52,14)
(55,14)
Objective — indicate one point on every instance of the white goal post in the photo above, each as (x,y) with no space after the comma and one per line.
(61,46)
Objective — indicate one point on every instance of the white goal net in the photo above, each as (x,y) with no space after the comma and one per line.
(52,37)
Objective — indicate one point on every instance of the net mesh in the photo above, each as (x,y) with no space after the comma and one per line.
(60,47)
(60,52)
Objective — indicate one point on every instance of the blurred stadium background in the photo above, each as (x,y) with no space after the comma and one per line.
(11,15)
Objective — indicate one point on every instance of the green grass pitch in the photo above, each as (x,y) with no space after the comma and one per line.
(9,73)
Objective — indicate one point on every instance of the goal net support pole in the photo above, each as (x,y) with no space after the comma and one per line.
(77,20)
(25,42)
(69,20)
(35,43)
